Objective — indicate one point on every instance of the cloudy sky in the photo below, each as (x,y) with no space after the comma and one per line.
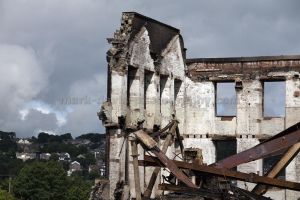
(52,52)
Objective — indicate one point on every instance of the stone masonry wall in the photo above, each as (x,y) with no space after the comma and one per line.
(149,84)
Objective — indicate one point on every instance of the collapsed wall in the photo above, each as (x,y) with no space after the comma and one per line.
(222,104)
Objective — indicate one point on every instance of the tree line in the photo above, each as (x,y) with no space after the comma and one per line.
(40,179)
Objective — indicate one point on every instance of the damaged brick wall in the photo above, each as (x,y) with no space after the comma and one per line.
(150,80)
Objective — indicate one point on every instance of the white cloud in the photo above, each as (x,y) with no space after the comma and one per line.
(51,132)
(46,109)
(22,77)
(23,113)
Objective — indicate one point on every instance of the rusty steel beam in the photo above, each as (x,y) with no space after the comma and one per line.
(280,165)
(163,129)
(291,129)
(151,145)
(216,194)
(180,141)
(188,190)
(173,127)
(138,193)
(173,168)
(260,151)
(213,171)
(156,171)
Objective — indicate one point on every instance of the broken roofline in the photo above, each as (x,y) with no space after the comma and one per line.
(160,34)
(222,59)
(152,20)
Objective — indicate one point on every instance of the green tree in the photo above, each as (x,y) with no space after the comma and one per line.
(47,181)
(43,138)
(4,195)
(10,165)
(94,174)
(53,147)
(88,159)
(7,142)
(41,180)
(54,157)
(93,137)
(66,136)
(79,189)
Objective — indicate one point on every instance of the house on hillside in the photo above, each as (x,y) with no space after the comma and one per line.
(26,156)
(64,156)
(75,166)
(81,156)
(24,142)
(45,156)
(94,168)
(102,169)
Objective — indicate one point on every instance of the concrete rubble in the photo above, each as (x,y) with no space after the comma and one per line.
(163,106)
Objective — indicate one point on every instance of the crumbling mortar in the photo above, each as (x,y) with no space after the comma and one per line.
(118,55)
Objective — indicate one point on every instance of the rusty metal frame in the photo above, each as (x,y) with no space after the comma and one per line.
(151,145)
(278,167)
(168,126)
(188,190)
(259,151)
(165,146)
(287,141)
(214,171)
(210,194)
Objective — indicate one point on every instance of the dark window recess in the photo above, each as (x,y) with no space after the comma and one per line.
(130,78)
(148,77)
(177,85)
(225,148)
(176,144)
(274,99)
(225,99)
(269,162)
(162,84)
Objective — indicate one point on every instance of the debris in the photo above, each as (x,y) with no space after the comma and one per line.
(100,190)
(118,193)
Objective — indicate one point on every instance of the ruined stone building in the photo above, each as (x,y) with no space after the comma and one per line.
(223,105)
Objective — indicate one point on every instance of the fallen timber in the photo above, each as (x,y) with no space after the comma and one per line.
(208,170)
(152,145)
(278,167)
(209,194)
(263,150)
(165,146)
(286,141)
